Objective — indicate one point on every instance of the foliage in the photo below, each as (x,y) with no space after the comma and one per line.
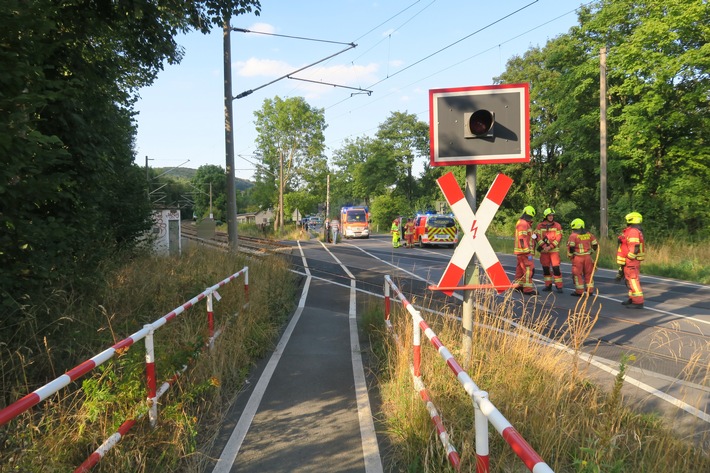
(658,120)
(210,191)
(385,208)
(71,194)
(63,430)
(290,145)
(573,424)
(403,138)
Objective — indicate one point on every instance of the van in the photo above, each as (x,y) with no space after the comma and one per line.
(431,229)
(355,222)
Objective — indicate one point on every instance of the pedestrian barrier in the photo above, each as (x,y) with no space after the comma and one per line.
(484,410)
(147,333)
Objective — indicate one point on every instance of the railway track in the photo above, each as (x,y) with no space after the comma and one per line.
(246,244)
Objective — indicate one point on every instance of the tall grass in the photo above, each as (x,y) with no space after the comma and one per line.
(670,258)
(548,396)
(60,433)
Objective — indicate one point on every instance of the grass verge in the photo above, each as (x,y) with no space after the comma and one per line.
(67,427)
(547,395)
(669,258)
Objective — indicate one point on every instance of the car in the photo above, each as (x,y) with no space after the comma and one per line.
(435,229)
(315,223)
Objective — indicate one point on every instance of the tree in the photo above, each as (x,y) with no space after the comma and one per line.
(659,77)
(71,194)
(351,182)
(210,191)
(405,138)
(290,145)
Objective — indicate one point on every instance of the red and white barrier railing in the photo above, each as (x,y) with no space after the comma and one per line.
(484,409)
(147,332)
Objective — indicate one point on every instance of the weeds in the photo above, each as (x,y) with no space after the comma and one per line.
(573,423)
(662,257)
(69,426)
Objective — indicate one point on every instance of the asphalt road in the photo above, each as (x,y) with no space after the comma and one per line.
(307,407)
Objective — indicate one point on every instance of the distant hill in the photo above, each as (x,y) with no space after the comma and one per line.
(189,173)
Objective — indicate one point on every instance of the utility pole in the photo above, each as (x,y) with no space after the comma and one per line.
(604,218)
(211,214)
(147,177)
(229,140)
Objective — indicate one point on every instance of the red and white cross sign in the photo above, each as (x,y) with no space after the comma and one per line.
(474,227)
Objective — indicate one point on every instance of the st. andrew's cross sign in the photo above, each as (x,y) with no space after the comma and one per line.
(474,226)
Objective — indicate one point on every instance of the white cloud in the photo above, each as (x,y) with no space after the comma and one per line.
(254,67)
(262,28)
(342,74)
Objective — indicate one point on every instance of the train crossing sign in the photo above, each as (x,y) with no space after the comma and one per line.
(479,125)
(474,226)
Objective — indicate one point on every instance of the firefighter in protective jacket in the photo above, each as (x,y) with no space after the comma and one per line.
(524,249)
(394,230)
(549,236)
(580,245)
(629,255)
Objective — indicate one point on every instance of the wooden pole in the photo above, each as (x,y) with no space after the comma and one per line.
(604,217)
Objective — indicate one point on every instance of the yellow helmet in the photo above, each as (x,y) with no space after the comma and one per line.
(548,211)
(529,210)
(577,223)
(634,217)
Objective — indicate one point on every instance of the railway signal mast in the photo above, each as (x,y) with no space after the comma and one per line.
(470,126)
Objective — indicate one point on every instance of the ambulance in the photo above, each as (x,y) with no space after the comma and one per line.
(355,222)
(434,229)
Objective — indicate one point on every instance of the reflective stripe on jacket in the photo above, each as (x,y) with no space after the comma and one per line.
(581,243)
(631,245)
(523,233)
(552,231)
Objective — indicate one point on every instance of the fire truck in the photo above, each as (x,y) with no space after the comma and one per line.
(433,229)
(355,222)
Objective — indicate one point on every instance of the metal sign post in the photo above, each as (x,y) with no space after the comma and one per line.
(470,126)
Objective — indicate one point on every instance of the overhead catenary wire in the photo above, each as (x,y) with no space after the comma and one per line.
(376,98)
(379,98)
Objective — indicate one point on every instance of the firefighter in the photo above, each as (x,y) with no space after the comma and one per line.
(409,233)
(580,245)
(629,255)
(549,237)
(395,233)
(524,249)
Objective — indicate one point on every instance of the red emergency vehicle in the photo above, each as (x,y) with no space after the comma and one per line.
(433,229)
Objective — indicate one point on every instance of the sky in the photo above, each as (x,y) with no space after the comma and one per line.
(403,49)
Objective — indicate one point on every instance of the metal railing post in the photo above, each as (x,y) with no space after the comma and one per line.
(150,377)
(416,347)
(481,423)
(387,300)
(210,320)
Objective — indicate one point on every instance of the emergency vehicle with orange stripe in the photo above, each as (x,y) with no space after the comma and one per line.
(435,229)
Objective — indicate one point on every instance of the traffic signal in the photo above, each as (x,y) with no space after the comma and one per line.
(479,124)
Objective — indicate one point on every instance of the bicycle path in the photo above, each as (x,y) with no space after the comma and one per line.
(307,408)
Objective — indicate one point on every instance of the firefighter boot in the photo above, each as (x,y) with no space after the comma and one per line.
(627,301)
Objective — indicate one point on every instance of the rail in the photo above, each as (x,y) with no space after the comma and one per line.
(252,245)
(153,393)
(484,410)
